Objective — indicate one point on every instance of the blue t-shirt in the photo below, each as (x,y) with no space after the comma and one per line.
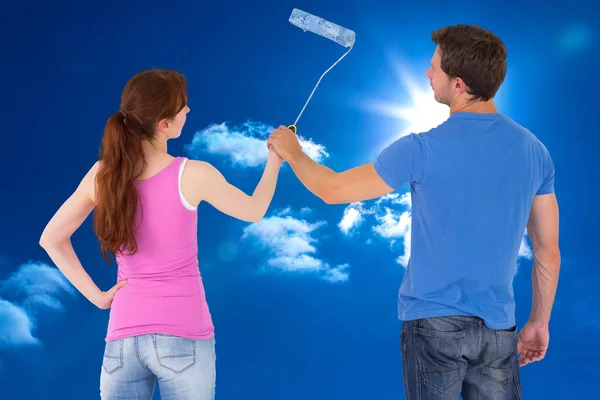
(472,181)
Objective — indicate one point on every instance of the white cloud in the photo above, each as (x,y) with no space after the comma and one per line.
(396,198)
(524,249)
(393,226)
(16,326)
(305,210)
(291,244)
(34,289)
(389,224)
(314,150)
(353,217)
(38,285)
(392,214)
(338,273)
(244,145)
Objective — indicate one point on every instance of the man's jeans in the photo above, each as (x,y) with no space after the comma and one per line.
(445,357)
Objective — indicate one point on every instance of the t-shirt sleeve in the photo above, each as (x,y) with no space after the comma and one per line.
(402,161)
(547,183)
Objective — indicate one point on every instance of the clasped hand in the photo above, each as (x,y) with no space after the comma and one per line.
(284,142)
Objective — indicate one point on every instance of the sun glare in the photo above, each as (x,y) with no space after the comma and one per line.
(419,112)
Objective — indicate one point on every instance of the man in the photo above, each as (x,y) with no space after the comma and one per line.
(477,182)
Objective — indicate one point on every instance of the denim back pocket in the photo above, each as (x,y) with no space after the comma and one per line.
(438,354)
(113,356)
(174,353)
(500,369)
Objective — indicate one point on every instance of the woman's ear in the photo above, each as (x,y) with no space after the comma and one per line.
(163,125)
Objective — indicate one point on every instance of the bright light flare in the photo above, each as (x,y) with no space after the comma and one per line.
(420,112)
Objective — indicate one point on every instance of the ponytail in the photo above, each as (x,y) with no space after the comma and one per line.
(148,97)
(121,162)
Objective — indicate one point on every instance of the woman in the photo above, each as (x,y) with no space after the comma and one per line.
(145,203)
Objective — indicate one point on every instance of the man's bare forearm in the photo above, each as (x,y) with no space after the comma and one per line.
(316,177)
(544,279)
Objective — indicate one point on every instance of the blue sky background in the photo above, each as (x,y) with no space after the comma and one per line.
(312,314)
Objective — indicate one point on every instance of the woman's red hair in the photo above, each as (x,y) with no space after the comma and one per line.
(149,97)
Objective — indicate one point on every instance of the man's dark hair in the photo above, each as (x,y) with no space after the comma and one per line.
(475,55)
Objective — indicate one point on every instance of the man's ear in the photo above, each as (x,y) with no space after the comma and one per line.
(460,85)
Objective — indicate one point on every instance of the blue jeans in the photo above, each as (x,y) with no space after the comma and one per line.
(445,357)
(184,368)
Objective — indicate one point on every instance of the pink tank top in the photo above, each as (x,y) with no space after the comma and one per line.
(164,291)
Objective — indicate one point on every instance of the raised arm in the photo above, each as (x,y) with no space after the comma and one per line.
(399,163)
(203,182)
(356,184)
(56,240)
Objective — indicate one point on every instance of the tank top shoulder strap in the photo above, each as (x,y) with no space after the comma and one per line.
(180,168)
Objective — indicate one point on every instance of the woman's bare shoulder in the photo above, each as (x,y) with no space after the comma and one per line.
(201,169)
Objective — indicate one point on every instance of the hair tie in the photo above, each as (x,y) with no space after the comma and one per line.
(125,114)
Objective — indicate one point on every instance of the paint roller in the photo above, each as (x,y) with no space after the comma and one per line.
(319,26)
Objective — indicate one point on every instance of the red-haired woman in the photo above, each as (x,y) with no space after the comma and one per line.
(145,202)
